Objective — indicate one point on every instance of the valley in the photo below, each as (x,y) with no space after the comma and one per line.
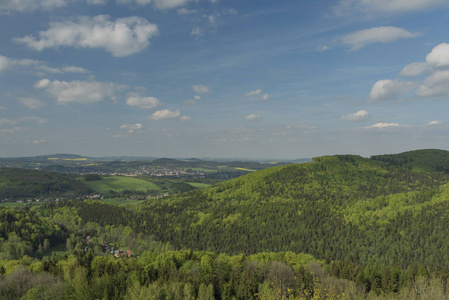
(339,227)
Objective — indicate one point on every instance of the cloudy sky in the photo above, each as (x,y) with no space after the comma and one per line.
(223,78)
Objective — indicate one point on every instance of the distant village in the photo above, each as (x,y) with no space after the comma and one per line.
(107,248)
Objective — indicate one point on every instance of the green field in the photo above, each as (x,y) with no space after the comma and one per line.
(120,183)
(199,185)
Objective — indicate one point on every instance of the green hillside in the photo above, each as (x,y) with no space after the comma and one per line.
(337,207)
(429,160)
(21,183)
(340,227)
(120,183)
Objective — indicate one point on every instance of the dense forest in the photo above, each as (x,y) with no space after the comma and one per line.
(21,183)
(340,227)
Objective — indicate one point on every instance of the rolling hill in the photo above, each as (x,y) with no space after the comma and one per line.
(341,207)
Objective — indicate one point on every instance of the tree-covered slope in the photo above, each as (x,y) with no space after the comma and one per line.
(21,183)
(429,160)
(337,207)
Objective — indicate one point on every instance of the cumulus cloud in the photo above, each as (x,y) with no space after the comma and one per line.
(165,114)
(131,127)
(265,97)
(8,6)
(79,91)
(435,85)
(439,56)
(414,69)
(252,117)
(359,116)
(389,89)
(142,102)
(31,102)
(253,93)
(200,89)
(158,4)
(345,7)
(122,37)
(197,97)
(365,37)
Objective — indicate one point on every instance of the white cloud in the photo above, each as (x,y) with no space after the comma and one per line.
(159,4)
(197,31)
(435,85)
(31,102)
(197,97)
(22,120)
(4,63)
(131,127)
(122,37)
(389,89)
(8,6)
(200,89)
(72,69)
(359,116)
(165,114)
(323,48)
(414,69)
(11,130)
(265,97)
(96,2)
(439,56)
(185,11)
(365,37)
(253,117)
(79,91)
(383,125)
(185,118)
(142,102)
(37,65)
(345,7)
(253,93)
(211,19)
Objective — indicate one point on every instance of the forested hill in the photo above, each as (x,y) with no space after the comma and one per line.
(430,160)
(22,183)
(337,207)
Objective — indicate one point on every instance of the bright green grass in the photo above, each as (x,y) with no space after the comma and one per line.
(120,183)
(198,185)
(58,249)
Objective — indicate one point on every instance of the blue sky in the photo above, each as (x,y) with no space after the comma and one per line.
(225,78)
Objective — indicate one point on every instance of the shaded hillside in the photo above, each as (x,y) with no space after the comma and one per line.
(338,207)
(21,183)
(429,160)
